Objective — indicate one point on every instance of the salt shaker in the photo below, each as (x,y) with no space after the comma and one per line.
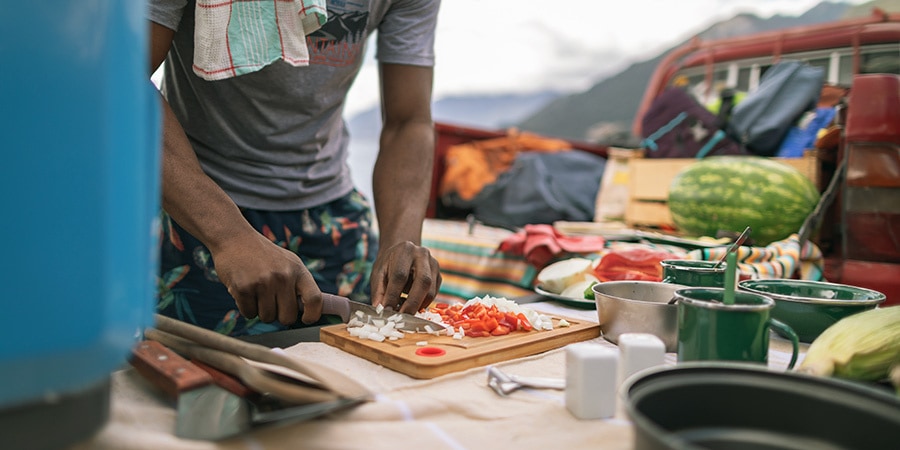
(591,380)
(639,351)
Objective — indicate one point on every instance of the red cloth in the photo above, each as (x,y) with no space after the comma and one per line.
(540,244)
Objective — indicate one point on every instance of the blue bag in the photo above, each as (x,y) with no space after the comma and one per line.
(541,188)
(787,90)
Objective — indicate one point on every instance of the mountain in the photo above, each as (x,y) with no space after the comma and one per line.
(609,106)
(478,111)
(499,111)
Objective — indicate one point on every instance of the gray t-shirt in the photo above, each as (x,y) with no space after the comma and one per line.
(276,139)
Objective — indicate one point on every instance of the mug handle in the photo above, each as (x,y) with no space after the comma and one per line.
(789,332)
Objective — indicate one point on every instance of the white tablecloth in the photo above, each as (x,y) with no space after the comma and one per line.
(454,411)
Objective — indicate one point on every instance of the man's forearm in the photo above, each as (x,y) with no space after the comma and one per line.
(190,197)
(402,181)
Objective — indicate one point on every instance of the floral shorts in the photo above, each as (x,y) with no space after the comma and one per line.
(335,241)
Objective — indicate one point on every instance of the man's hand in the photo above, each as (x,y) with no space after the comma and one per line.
(266,280)
(409,269)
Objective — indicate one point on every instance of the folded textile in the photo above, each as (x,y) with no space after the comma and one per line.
(780,259)
(235,37)
(473,165)
(540,244)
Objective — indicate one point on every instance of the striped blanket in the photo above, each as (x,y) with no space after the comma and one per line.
(781,259)
(472,264)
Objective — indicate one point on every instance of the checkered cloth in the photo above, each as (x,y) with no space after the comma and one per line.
(235,37)
(780,259)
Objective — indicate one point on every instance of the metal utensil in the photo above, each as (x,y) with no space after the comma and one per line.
(212,405)
(204,344)
(197,397)
(345,308)
(504,384)
(258,379)
(266,409)
(737,243)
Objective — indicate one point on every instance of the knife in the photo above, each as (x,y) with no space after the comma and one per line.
(212,405)
(204,409)
(346,309)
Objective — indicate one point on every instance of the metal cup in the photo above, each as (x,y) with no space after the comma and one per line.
(709,329)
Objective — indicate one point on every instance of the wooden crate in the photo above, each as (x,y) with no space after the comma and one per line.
(649,180)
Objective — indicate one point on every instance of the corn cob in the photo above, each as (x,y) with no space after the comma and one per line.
(895,377)
(863,346)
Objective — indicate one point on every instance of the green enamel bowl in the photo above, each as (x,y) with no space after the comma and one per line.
(809,307)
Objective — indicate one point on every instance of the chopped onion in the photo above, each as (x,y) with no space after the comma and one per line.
(375,337)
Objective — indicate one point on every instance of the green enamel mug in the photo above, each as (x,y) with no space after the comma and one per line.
(710,330)
(693,272)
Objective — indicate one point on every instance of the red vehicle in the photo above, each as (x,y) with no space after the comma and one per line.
(861,231)
(844,49)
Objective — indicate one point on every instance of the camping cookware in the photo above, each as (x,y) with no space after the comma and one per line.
(809,307)
(730,405)
(638,307)
(693,273)
(709,328)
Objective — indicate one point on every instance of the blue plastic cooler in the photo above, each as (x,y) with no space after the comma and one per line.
(79,197)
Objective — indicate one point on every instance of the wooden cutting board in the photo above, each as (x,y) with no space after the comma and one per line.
(443,354)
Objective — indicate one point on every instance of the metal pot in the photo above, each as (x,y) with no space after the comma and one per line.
(809,307)
(638,307)
(730,405)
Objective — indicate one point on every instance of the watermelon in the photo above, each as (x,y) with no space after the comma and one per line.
(733,192)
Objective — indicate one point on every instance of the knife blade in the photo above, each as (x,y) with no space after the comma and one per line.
(346,309)
(212,405)
(204,410)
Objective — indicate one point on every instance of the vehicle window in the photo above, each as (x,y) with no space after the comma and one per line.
(880,62)
(845,70)
(743,81)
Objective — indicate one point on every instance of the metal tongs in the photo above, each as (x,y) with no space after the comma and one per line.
(504,384)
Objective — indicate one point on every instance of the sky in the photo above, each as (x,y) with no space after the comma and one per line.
(518,46)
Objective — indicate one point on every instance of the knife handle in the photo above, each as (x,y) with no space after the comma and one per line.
(166,369)
(333,305)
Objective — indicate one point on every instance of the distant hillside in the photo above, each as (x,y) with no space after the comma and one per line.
(613,101)
(478,111)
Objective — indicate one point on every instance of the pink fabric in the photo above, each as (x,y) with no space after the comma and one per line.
(540,244)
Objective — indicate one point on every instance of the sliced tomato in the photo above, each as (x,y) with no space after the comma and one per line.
(500,330)
(524,324)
